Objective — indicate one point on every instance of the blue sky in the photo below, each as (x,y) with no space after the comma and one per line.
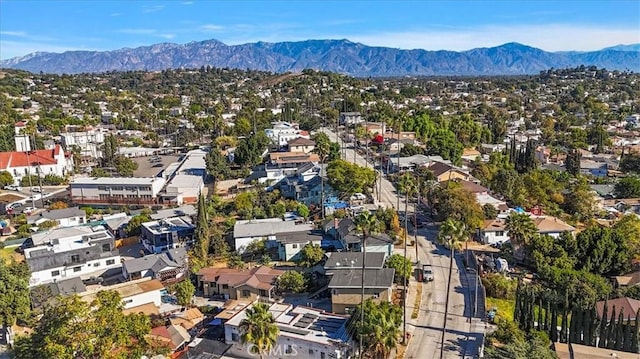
(36,25)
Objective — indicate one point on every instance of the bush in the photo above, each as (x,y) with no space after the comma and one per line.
(499,286)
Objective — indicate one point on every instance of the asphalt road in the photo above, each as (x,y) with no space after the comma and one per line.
(463,336)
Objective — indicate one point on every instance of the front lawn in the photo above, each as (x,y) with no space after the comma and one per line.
(505,307)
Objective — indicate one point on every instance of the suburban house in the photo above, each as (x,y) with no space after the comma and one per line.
(306,333)
(444,172)
(308,191)
(117,224)
(167,267)
(346,286)
(629,306)
(288,245)
(133,294)
(292,158)
(164,234)
(593,168)
(188,319)
(410,163)
(472,187)
(66,217)
(69,252)
(628,279)
(184,210)
(116,191)
(246,284)
(374,243)
(494,231)
(247,231)
(301,144)
(175,337)
(283,132)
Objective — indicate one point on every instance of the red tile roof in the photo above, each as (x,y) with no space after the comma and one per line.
(262,277)
(23,159)
(21,124)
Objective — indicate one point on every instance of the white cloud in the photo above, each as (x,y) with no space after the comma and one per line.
(167,36)
(14,33)
(212,27)
(137,31)
(187,3)
(115,14)
(150,9)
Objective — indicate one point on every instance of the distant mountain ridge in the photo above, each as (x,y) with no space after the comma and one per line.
(341,56)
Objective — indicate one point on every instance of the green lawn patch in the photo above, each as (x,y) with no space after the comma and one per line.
(505,307)
(6,254)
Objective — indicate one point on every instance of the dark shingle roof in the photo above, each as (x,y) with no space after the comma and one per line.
(345,260)
(352,278)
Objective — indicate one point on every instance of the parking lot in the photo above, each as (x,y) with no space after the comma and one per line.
(146,168)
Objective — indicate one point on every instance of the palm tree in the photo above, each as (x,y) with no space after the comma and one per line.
(322,149)
(368,223)
(520,228)
(452,234)
(259,329)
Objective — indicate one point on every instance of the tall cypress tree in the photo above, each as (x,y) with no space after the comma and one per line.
(602,343)
(554,324)
(202,240)
(540,320)
(635,335)
(547,314)
(611,330)
(586,327)
(563,325)
(620,330)
(628,338)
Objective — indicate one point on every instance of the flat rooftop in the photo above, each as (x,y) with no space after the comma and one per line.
(309,324)
(126,290)
(124,181)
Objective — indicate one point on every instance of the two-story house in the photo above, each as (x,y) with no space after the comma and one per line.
(288,245)
(301,144)
(346,279)
(167,267)
(63,253)
(246,284)
(65,217)
(164,234)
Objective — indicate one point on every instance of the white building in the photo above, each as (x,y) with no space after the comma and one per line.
(38,162)
(64,253)
(495,231)
(89,142)
(305,333)
(186,179)
(114,191)
(283,132)
(134,293)
(247,231)
(65,217)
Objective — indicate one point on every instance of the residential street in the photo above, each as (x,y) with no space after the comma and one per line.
(463,338)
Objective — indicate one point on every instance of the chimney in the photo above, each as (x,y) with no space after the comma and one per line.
(336,221)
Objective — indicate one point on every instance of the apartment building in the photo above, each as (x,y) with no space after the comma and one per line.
(116,191)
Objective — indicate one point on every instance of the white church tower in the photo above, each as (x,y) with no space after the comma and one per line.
(22,139)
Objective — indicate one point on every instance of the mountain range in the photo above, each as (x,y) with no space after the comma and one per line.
(342,56)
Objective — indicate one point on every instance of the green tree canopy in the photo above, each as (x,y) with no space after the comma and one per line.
(349,178)
(380,330)
(133,227)
(5,178)
(310,255)
(72,328)
(184,292)
(628,187)
(402,266)
(14,293)
(292,281)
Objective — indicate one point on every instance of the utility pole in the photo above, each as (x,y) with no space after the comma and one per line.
(405,290)
(415,217)
(364,256)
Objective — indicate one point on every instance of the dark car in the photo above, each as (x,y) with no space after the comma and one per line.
(158,165)
(93,280)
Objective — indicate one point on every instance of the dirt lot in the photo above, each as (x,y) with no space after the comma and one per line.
(146,169)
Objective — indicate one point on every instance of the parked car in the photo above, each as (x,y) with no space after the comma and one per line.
(427,273)
(158,165)
(36,189)
(12,188)
(93,280)
(28,210)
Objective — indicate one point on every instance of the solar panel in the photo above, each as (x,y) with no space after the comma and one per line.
(294,330)
(300,325)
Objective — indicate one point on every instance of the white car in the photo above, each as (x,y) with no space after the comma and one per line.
(13,188)
(28,210)
(36,189)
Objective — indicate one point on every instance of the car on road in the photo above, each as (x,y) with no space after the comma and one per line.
(36,189)
(427,273)
(28,210)
(12,188)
